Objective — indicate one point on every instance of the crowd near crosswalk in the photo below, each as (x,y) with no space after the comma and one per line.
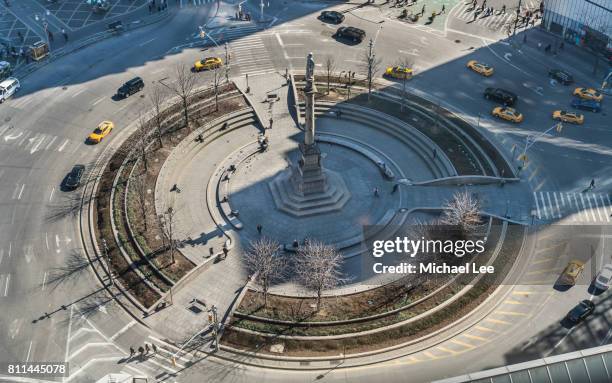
(494,21)
(585,207)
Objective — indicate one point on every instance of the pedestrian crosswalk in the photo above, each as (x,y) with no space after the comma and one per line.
(247,49)
(185,3)
(33,142)
(496,21)
(577,207)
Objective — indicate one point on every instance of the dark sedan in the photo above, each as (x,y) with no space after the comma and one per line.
(581,311)
(561,76)
(591,105)
(73,179)
(332,16)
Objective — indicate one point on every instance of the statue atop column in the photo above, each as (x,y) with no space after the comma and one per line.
(310,66)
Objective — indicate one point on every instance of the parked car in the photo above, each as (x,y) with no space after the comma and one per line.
(5,70)
(581,311)
(588,94)
(500,95)
(100,132)
(604,277)
(351,33)
(207,63)
(571,273)
(73,179)
(574,118)
(591,105)
(561,76)
(508,114)
(332,16)
(384,169)
(129,88)
(480,68)
(8,88)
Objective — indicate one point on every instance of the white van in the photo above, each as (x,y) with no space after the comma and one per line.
(8,87)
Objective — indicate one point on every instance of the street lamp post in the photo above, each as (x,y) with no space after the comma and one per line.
(227,63)
(215,325)
(108,266)
(532,139)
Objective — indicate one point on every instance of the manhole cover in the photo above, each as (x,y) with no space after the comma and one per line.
(194,309)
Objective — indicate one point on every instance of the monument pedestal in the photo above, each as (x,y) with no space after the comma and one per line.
(308,177)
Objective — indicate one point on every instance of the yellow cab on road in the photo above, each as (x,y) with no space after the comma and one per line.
(588,94)
(571,273)
(207,63)
(480,68)
(100,132)
(573,118)
(399,72)
(508,114)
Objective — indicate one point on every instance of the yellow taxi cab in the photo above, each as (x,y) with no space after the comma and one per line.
(480,68)
(399,72)
(100,132)
(207,64)
(508,114)
(574,118)
(588,94)
(571,273)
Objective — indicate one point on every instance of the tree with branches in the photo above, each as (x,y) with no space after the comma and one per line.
(317,267)
(138,185)
(263,259)
(156,99)
(142,140)
(217,77)
(463,211)
(330,67)
(184,87)
(404,62)
(371,65)
(167,222)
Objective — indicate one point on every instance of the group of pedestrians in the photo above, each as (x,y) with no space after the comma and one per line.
(143,351)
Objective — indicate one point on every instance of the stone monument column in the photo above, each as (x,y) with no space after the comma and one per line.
(309,93)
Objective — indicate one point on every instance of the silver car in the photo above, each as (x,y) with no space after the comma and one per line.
(603,280)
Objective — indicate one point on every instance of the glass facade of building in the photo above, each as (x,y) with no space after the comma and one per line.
(585,23)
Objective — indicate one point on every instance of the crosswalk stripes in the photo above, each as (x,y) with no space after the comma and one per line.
(248,50)
(494,21)
(186,3)
(33,142)
(579,207)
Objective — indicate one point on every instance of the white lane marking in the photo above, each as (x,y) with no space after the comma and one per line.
(12,137)
(603,207)
(78,92)
(280,41)
(63,145)
(557,203)
(47,240)
(21,192)
(535,197)
(51,142)
(99,101)
(51,195)
(57,243)
(35,147)
(10,248)
(44,282)
(545,205)
(123,329)
(29,351)
(146,42)
(6,285)
(591,208)
(1,255)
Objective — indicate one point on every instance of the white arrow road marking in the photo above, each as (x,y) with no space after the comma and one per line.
(6,286)
(412,52)
(28,252)
(57,243)
(102,308)
(12,137)
(507,56)
(62,146)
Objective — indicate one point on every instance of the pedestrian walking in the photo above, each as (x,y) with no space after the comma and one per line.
(423,10)
(435,153)
(561,45)
(503,10)
(484,3)
(338,114)
(141,350)
(259,228)
(376,192)
(443,9)
(20,36)
(395,187)
(65,35)
(146,348)
(475,16)
(225,251)
(132,352)
(50,36)
(271,121)
(592,185)
(154,348)
(296,244)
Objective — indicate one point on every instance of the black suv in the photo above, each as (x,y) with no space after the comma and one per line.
(332,16)
(561,76)
(129,88)
(73,179)
(500,95)
(351,33)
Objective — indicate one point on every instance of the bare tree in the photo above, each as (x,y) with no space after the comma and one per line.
(217,76)
(462,211)
(330,67)
(404,62)
(184,87)
(371,65)
(264,260)
(167,221)
(138,184)
(142,140)
(157,98)
(318,267)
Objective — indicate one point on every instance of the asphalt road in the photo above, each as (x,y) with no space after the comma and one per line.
(44,289)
